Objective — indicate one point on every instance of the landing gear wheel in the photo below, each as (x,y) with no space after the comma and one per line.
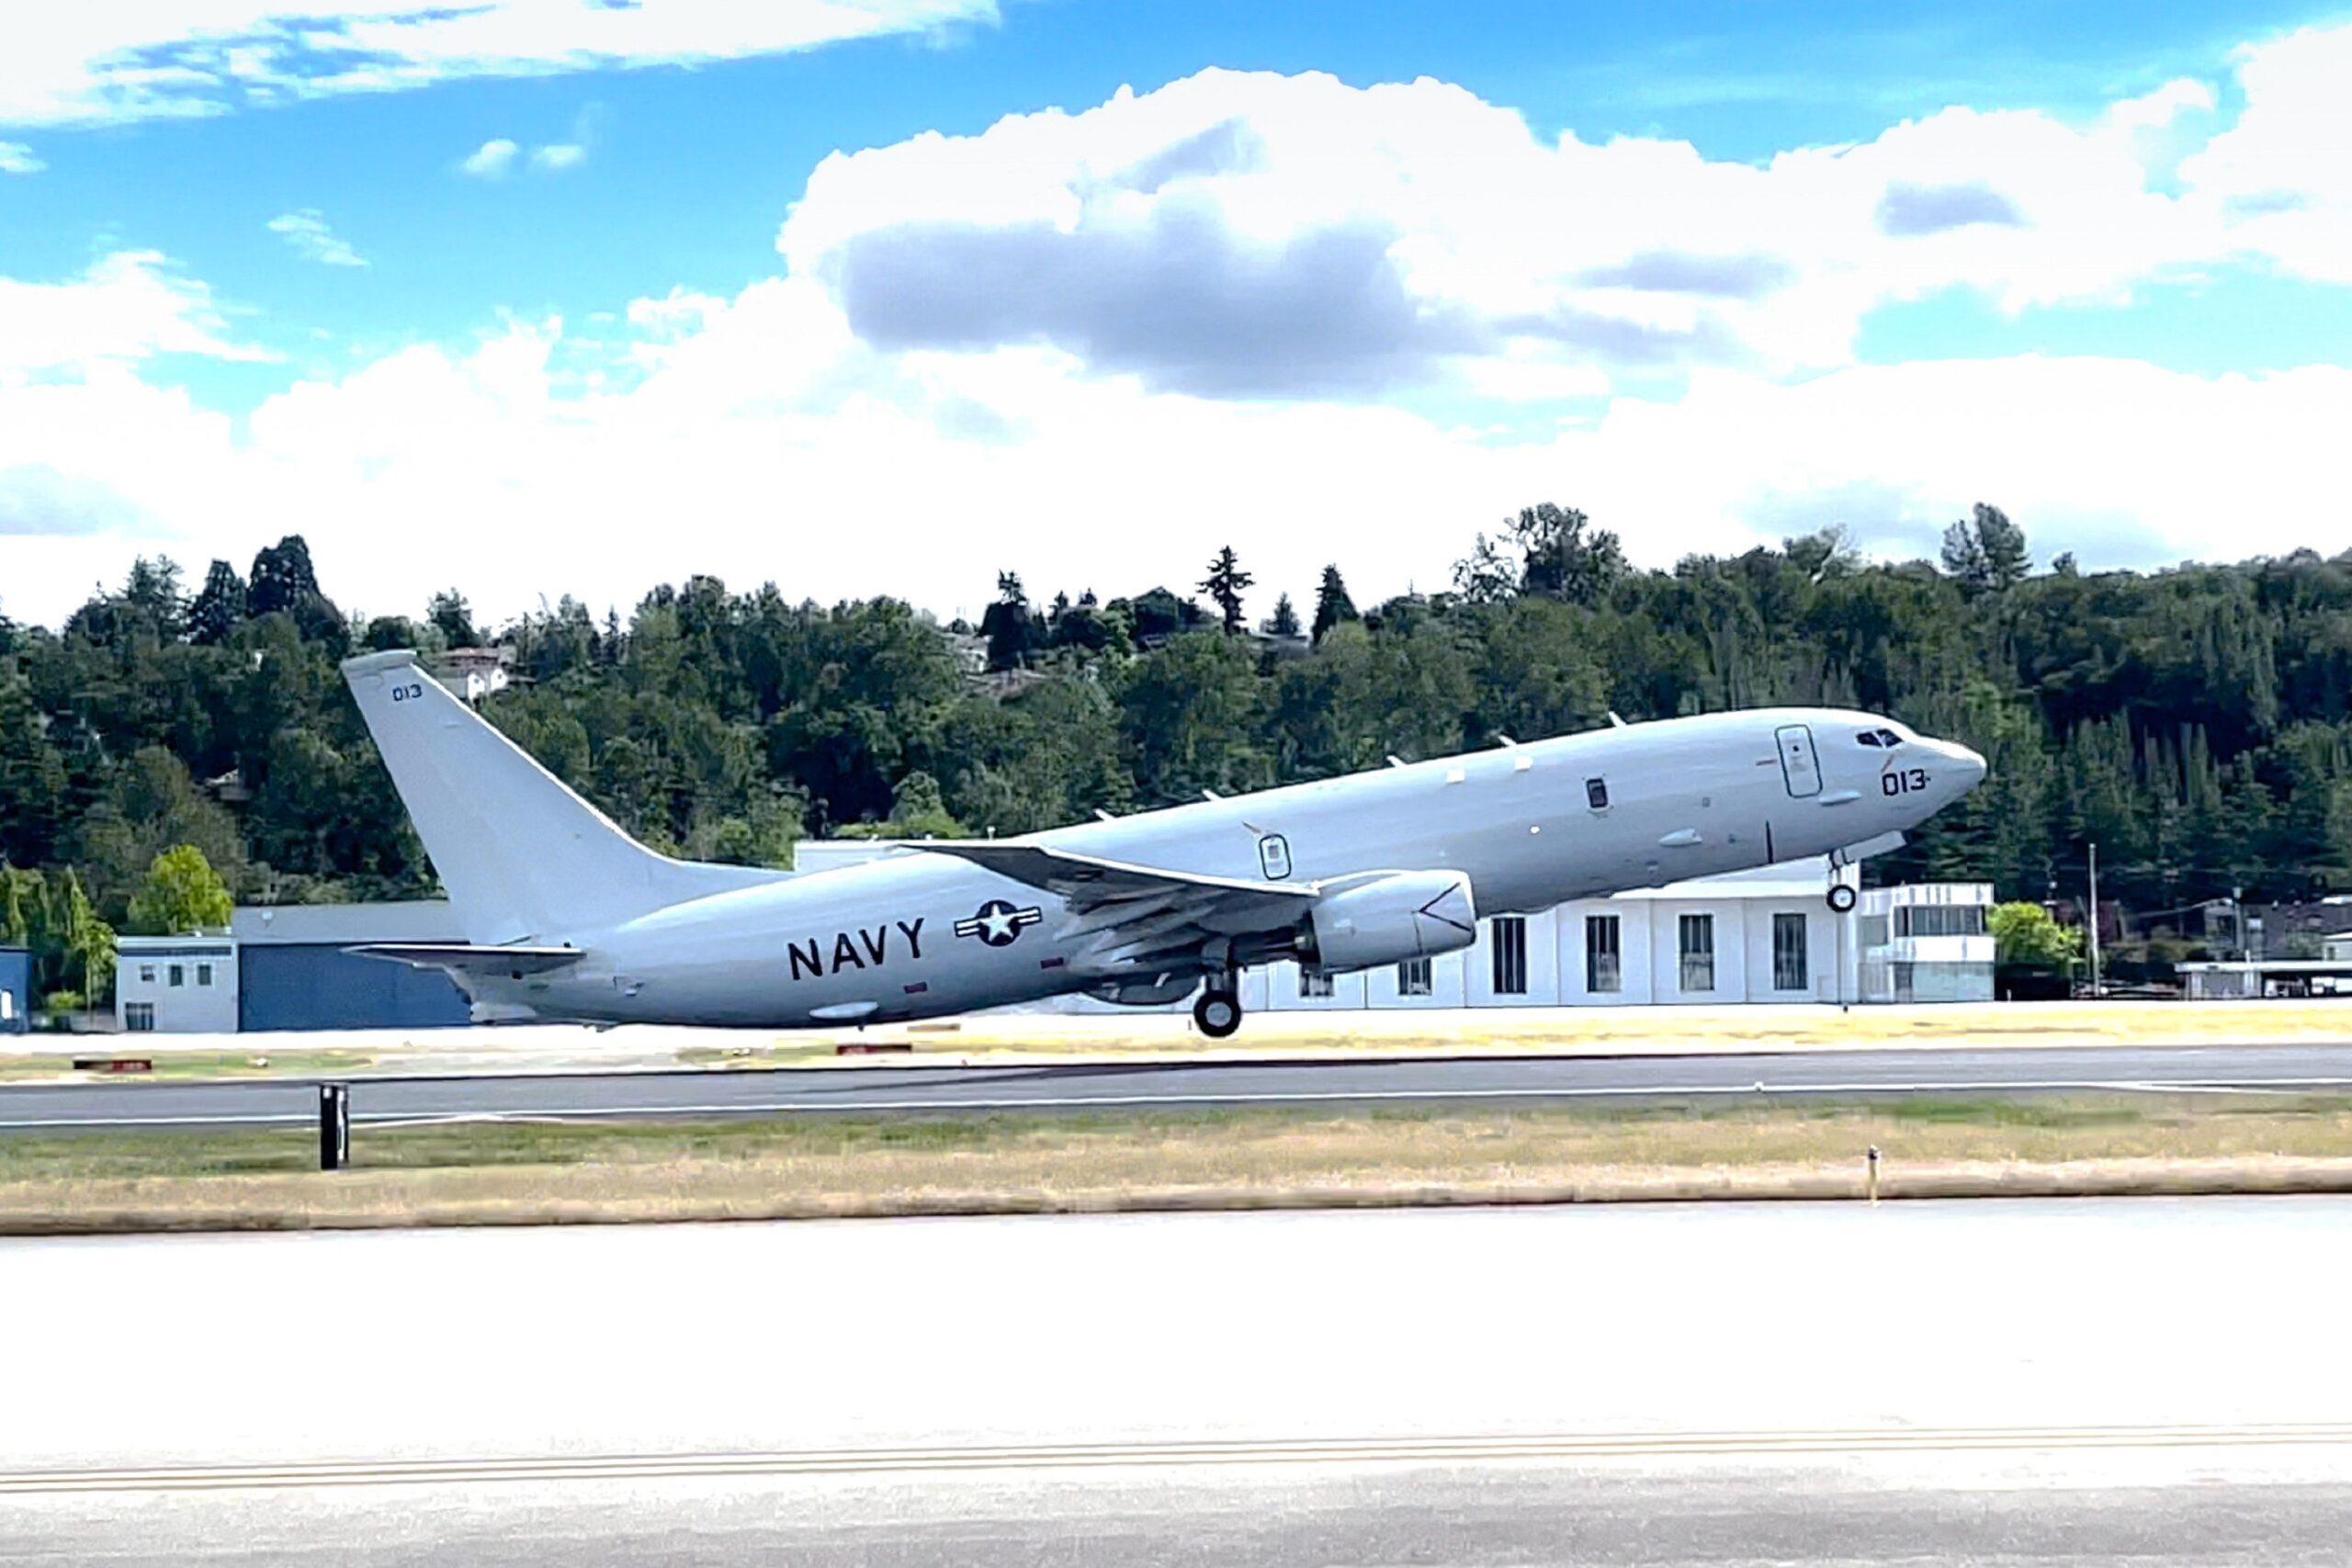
(1218,1013)
(1842,898)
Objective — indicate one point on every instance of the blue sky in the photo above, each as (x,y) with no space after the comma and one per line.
(269,271)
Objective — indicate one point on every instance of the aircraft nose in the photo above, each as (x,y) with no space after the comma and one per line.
(1969,763)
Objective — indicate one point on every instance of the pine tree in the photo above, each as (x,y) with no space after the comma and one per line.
(1224,585)
(220,606)
(1285,619)
(1332,605)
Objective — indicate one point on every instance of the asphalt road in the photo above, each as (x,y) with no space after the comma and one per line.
(2027,1383)
(886,1090)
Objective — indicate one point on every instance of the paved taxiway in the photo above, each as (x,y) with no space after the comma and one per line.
(2152,1381)
(879,1090)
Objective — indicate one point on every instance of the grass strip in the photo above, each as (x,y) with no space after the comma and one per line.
(782,1168)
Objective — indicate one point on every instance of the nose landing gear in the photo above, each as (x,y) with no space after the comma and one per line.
(1842,898)
(1217,1011)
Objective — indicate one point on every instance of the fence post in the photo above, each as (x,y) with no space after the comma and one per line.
(335,1126)
(1869,1179)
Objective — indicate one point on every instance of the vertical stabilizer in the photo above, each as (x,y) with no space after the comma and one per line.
(523,857)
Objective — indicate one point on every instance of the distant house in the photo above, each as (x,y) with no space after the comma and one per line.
(971,653)
(472,673)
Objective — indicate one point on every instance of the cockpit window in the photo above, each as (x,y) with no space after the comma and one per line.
(1867,738)
(1888,738)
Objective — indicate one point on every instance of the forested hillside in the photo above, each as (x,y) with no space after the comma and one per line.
(2196,722)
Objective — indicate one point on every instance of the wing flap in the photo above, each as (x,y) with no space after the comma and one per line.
(1087,881)
(468,959)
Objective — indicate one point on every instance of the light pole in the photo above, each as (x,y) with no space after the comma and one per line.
(2095,990)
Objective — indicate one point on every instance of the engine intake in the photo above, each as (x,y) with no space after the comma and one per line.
(1397,916)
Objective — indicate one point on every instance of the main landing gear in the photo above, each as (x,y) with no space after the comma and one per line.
(1217,1010)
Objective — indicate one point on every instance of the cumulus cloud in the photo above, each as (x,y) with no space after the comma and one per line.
(87,63)
(559,156)
(127,307)
(16,158)
(2281,168)
(492,159)
(1266,303)
(313,241)
(1268,236)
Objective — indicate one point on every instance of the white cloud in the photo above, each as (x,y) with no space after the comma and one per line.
(16,158)
(492,159)
(313,241)
(2282,171)
(559,156)
(86,63)
(1323,322)
(127,307)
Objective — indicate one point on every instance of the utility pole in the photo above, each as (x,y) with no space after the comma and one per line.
(2095,921)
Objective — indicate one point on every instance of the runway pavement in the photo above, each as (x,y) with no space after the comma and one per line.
(885,1091)
(2154,1382)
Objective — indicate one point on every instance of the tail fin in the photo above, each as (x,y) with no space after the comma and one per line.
(523,857)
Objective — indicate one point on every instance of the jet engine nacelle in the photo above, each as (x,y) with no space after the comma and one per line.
(1395,915)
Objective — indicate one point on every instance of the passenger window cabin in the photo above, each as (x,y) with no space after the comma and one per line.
(1596,794)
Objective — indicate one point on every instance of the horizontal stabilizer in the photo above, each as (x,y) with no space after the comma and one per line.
(465,959)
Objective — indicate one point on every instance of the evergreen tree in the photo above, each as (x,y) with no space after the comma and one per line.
(1009,625)
(1285,618)
(220,606)
(1332,605)
(1986,552)
(1224,585)
(452,618)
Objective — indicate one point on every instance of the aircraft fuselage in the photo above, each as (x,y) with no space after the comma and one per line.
(917,935)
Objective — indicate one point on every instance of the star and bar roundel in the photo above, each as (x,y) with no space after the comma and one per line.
(998,923)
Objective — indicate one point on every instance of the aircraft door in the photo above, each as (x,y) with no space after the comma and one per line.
(1800,767)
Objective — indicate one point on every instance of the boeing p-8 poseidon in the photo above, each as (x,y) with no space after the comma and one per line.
(567,916)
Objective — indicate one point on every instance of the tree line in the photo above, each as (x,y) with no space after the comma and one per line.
(2195,723)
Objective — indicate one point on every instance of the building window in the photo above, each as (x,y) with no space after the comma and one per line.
(1510,932)
(1875,931)
(179,973)
(1788,952)
(138,1017)
(204,974)
(1596,794)
(1311,984)
(1697,944)
(1413,977)
(1601,970)
(146,973)
(1939,919)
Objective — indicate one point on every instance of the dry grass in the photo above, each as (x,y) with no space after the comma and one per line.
(478,1174)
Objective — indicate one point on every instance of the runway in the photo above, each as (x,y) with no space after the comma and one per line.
(2151,1382)
(1159,1085)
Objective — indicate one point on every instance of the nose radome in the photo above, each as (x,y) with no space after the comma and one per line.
(1971,763)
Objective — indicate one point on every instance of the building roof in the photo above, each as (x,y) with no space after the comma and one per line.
(422,919)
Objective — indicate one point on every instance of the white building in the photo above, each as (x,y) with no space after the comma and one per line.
(1926,942)
(177,983)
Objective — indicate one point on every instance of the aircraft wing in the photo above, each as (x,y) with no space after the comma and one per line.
(1140,917)
(466,959)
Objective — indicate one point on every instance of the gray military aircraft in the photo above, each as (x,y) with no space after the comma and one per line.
(567,916)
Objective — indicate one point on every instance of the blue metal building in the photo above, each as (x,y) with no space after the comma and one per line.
(292,971)
(16,991)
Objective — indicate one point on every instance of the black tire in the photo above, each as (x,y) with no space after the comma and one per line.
(1843,898)
(1216,1013)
